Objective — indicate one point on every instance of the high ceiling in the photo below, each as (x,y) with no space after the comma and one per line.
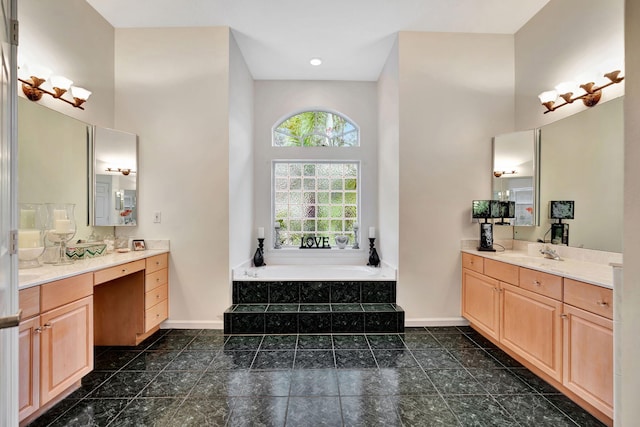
(353,37)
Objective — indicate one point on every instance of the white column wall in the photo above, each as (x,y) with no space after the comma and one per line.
(172,90)
(241,208)
(388,158)
(275,100)
(627,410)
(456,93)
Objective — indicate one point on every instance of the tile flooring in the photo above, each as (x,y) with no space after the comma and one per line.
(447,376)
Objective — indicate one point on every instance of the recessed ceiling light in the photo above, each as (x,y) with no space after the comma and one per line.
(315,61)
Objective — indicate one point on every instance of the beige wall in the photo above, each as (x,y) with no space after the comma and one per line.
(564,40)
(627,337)
(172,89)
(72,39)
(456,92)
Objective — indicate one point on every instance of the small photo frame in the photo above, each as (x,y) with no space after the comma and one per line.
(138,245)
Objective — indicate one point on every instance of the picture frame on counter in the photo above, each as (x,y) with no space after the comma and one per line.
(138,245)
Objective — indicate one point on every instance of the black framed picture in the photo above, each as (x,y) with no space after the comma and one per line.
(561,209)
(138,245)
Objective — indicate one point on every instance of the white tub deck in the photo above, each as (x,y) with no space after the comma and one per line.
(312,273)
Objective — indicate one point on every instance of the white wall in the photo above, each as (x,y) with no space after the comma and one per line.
(564,40)
(388,158)
(456,93)
(73,40)
(241,209)
(172,90)
(627,338)
(275,100)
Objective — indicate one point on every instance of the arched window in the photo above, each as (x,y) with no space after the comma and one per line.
(316,129)
(311,197)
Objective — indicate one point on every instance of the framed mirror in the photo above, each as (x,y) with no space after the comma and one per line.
(114,171)
(515,174)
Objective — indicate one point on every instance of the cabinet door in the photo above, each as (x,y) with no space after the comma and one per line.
(532,327)
(588,357)
(66,347)
(480,302)
(29,367)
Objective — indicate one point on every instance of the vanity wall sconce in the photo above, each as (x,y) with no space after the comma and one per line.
(33,77)
(498,174)
(121,170)
(566,91)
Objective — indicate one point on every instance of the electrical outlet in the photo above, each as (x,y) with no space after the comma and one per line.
(157,217)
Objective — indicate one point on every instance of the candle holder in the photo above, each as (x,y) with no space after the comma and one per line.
(258,257)
(33,222)
(61,227)
(374,259)
(355,237)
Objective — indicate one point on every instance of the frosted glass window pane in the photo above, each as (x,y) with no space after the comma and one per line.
(306,211)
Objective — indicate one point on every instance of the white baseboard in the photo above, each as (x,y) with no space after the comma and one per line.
(437,321)
(192,324)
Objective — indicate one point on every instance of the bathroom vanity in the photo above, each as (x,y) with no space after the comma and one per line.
(117,299)
(554,317)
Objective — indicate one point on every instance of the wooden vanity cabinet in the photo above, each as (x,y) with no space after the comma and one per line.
(588,343)
(131,300)
(56,342)
(531,327)
(29,352)
(558,327)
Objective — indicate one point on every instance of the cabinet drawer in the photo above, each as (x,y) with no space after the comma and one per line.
(595,299)
(156,279)
(29,301)
(61,292)
(155,315)
(118,271)
(157,262)
(155,296)
(502,271)
(473,262)
(541,283)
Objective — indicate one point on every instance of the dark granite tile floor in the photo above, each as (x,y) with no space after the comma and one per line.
(424,377)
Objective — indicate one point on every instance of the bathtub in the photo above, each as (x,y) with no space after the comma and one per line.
(280,273)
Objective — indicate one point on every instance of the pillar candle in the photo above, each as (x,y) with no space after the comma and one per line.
(29,239)
(372,232)
(260,232)
(59,214)
(356,225)
(276,225)
(63,226)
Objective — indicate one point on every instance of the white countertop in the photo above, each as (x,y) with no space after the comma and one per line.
(600,274)
(48,272)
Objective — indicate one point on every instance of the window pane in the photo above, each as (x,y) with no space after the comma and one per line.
(305,210)
(315,129)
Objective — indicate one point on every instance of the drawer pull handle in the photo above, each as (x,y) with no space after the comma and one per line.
(38,330)
(47,326)
(157,262)
(564,316)
(157,279)
(157,296)
(124,270)
(157,315)
(536,283)
(603,303)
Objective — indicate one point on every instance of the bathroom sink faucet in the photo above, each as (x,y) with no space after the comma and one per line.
(550,253)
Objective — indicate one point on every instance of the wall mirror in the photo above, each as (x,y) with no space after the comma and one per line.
(113,201)
(515,164)
(52,160)
(582,159)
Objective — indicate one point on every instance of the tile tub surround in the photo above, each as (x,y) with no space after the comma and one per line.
(313,307)
(447,376)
